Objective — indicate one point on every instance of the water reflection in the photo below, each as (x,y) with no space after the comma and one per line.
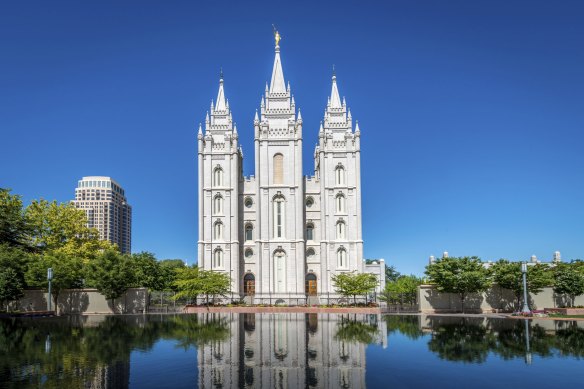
(290,350)
(259,350)
(474,339)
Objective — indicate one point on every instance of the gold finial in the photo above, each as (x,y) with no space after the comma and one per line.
(277,36)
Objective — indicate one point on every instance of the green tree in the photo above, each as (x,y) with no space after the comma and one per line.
(354,284)
(169,268)
(353,331)
(16,259)
(214,283)
(14,230)
(403,290)
(149,273)
(112,274)
(568,280)
(391,275)
(508,275)
(188,283)
(11,287)
(462,276)
(67,273)
(63,228)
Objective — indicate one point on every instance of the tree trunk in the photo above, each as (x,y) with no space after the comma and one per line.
(355,300)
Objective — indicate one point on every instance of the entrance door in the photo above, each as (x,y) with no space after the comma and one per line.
(311,285)
(249,284)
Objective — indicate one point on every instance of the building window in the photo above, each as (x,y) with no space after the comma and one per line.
(218,177)
(218,233)
(342,258)
(310,253)
(248,253)
(217,259)
(217,205)
(340,175)
(248,202)
(341,230)
(309,232)
(279,217)
(278,169)
(248,232)
(309,202)
(340,203)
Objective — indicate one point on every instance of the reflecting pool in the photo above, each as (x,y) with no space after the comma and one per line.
(289,351)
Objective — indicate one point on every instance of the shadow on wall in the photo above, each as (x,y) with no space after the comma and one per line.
(501,299)
(450,302)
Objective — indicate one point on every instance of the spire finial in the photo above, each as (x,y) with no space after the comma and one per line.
(334,72)
(277,36)
(221,73)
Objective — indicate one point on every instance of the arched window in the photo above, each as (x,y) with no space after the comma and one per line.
(218,177)
(218,231)
(310,231)
(341,233)
(342,258)
(310,253)
(248,232)
(278,169)
(340,203)
(217,259)
(340,175)
(279,217)
(217,205)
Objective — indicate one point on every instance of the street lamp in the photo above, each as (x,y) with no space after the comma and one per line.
(524,273)
(50,278)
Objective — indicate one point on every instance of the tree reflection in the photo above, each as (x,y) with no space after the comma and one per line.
(353,331)
(466,341)
(407,325)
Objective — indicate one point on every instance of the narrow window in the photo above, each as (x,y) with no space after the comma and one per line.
(340,175)
(279,217)
(218,231)
(340,203)
(278,169)
(309,232)
(340,230)
(218,177)
(249,232)
(218,259)
(218,205)
(342,258)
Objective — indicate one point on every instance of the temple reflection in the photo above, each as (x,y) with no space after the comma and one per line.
(290,350)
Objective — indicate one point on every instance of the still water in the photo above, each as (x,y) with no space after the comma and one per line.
(289,351)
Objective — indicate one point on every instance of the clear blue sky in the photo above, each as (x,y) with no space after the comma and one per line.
(471,112)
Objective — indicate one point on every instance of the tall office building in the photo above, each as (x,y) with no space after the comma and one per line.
(104,202)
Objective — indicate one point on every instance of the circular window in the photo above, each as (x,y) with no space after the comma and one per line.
(309,202)
(248,253)
(248,202)
(310,253)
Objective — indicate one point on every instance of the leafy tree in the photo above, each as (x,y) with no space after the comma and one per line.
(63,228)
(462,276)
(508,275)
(11,287)
(192,282)
(403,290)
(14,258)
(391,275)
(14,230)
(112,274)
(67,272)
(188,283)
(354,284)
(569,281)
(169,268)
(149,273)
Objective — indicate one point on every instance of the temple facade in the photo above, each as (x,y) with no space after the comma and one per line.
(279,234)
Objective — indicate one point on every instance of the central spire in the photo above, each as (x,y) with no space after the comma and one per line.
(335,98)
(221,104)
(277,85)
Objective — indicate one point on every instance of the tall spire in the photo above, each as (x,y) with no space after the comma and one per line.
(335,99)
(277,85)
(221,104)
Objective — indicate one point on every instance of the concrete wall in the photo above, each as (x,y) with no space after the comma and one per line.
(495,299)
(78,301)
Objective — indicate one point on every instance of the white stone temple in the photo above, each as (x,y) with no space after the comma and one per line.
(279,233)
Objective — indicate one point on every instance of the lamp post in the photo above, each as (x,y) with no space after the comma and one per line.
(50,278)
(524,273)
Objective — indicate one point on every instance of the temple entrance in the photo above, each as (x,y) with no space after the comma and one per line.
(311,285)
(249,284)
